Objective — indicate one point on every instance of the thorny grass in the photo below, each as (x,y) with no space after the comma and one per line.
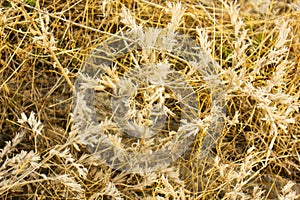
(43,45)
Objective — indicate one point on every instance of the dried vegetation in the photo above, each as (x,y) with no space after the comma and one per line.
(43,46)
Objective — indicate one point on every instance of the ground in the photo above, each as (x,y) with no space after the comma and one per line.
(255,48)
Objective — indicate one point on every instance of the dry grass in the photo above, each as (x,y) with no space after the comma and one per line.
(43,45)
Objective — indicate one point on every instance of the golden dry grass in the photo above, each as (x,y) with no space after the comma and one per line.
(43,44)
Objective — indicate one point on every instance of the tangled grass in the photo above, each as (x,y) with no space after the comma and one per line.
(44,44)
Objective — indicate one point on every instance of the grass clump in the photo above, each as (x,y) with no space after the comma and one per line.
(255,52)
